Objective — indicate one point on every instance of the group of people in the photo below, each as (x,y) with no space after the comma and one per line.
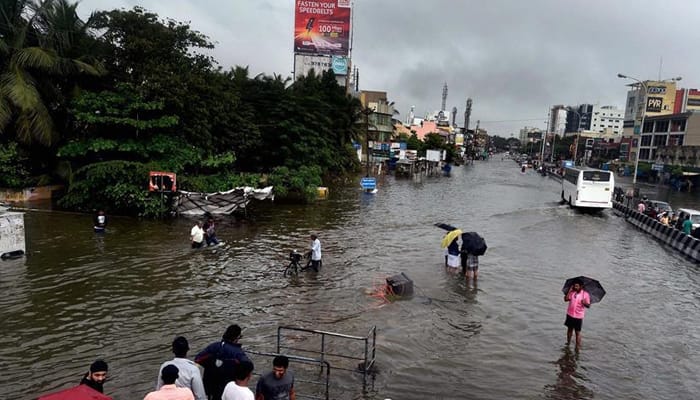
(457,257)
(227,374)
(203,232)
(668,218)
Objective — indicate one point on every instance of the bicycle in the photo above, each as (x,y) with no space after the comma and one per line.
(294,264)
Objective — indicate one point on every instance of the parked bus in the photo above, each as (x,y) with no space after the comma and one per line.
(587,187)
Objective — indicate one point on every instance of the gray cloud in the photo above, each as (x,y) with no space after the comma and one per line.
(513,58)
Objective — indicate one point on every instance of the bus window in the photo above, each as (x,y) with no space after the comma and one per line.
(596,176)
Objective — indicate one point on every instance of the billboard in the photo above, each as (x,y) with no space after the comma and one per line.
(322,27)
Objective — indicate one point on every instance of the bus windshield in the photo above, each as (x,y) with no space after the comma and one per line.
(596,176)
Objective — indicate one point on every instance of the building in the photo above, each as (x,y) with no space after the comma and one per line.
(579,120)
(530,134)
(669,132)
(381,127)
(669,121)
(606,120)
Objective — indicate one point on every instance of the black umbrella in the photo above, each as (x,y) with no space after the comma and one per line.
(446,227)
(474,244)
(593,287)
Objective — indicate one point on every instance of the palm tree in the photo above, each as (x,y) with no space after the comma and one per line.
(39,45)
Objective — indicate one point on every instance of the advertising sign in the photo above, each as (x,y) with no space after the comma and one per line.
(304,63)
(322,27)
(654,104)
(339,65)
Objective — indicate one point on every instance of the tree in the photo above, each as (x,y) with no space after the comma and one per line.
(40,54)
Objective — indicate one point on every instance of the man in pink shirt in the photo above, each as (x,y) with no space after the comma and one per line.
(169,391)
(578,300)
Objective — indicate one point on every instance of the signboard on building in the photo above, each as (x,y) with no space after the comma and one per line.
(655,104)
(304,63)
(322,27)
(339,65)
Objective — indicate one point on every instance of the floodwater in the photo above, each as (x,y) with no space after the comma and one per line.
(124,295)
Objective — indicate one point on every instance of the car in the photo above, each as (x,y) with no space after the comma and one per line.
(688,212)
(656,207)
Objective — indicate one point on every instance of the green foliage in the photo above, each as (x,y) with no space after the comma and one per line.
(13,166)
(413,143)
(301,183)
(113,186)
(123,108)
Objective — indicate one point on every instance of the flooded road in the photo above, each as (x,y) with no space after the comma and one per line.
(124,295)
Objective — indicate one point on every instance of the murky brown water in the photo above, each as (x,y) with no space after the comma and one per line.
(125,295)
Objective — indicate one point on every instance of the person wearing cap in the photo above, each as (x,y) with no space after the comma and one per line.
(189,375)
(218,360)
(96,376)
(238,388)
(169,391)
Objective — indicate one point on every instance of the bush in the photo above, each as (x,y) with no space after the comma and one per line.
(115,187)
(14,172)
(296,184)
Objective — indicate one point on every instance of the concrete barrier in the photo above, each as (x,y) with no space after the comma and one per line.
(685,244)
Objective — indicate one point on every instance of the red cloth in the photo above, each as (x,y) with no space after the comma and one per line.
(80,392)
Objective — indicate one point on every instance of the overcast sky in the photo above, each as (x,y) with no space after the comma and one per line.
(514,58)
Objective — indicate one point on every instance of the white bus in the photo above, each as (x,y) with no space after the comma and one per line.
(587,187)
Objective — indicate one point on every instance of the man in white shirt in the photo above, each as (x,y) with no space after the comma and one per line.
(197,235)
(238,389)
(189,375)
(315,253)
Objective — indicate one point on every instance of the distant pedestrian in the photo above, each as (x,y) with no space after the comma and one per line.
(315,253)
(210,232)
(96,375)
(100,222)
(219,359)
(471,266)
(641,207)
(687,225)
(238,389)
(169,391)
(197,235)
(578,300)
(452,257)
(277,384)
(189,375)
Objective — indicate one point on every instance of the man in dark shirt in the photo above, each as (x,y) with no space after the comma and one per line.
(277,384)
(96,376)
(218,360)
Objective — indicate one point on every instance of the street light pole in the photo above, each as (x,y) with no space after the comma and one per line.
(641,128)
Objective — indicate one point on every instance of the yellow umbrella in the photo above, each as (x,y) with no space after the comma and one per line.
(451,235)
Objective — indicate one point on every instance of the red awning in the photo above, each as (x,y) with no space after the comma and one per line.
(80,392)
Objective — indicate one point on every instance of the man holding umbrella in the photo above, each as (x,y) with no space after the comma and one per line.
(579,300)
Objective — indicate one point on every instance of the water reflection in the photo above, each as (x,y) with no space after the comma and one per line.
(569,384)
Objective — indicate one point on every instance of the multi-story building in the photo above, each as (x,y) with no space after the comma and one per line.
(671,132)
(380,120)
(579,120)
(665,135)
(530,134)
(590,118)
